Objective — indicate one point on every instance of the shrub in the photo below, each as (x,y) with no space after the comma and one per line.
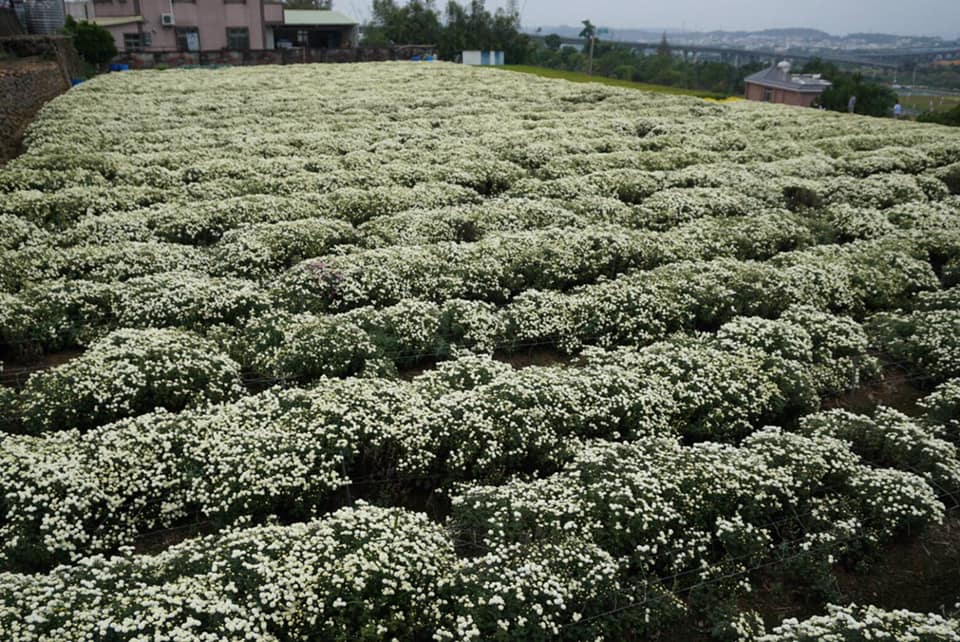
(127,373)
(865,623)
(93,42)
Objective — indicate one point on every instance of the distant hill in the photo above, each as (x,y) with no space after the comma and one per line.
(794,35)
(797,32)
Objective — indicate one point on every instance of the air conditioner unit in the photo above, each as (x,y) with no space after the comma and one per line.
(166,19)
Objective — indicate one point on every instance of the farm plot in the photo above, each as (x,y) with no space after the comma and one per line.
(273,321)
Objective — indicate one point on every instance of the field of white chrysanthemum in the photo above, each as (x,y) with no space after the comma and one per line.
(299,297)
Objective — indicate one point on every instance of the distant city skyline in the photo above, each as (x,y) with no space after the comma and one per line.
(919,17)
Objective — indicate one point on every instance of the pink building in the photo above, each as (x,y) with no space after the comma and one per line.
(777,85)
(213,25)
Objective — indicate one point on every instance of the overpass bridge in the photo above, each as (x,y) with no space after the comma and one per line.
(914,56)
(738,57)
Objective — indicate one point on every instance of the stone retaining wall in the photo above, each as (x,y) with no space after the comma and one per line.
(33,70)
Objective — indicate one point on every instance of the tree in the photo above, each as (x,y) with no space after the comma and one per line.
(464,27)
(589,31)
(553,42)
(873,99)
(664,49)
(416,22)
(94,43)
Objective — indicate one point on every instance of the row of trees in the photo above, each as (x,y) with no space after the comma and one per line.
(460,27)
(950,117)
(873,99)
(619,61)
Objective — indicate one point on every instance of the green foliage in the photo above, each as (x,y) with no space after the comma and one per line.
(416,22)
(93,42)
(617,61)
(950,118)
(664,49)
(473,27)
(553,42)
(872,99)
(464,28)
(588,31)
(576,76)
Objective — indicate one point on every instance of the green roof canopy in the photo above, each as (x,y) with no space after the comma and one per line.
(314,17)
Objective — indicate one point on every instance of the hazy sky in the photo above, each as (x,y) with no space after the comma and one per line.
(834,16)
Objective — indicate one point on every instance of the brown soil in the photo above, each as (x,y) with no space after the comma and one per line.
(921,574)
(16,371)
(533,357)
(895,389)
(519,360)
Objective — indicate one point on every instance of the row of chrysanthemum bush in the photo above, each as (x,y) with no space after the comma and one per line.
(623,539)
(260,236)
(130,372)
(661,185)
(635,307)
(86,484)
(503,262)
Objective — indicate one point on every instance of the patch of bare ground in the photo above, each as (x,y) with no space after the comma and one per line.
(540,356)
(896,389)
(17,370)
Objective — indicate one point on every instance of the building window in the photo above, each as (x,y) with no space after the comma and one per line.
(188,39)
(234,1)
(768,95)
(238,38)
(132,42)
(303,37)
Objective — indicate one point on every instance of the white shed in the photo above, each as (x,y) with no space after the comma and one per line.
(482,58)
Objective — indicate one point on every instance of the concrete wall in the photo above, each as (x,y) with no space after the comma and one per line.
(148,60)
(780,96)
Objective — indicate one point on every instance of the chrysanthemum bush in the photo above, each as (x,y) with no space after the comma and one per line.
(360,574)
(942,410)
(925,341)
(260,250)
(890,438)
(128,373)
(706,269)
(290,450)
(672,514)
(862,623)
(499,265)
(367,573)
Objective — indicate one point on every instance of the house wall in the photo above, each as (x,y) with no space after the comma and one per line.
(780,96)
(80,10)
(210,17)
(273,12)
